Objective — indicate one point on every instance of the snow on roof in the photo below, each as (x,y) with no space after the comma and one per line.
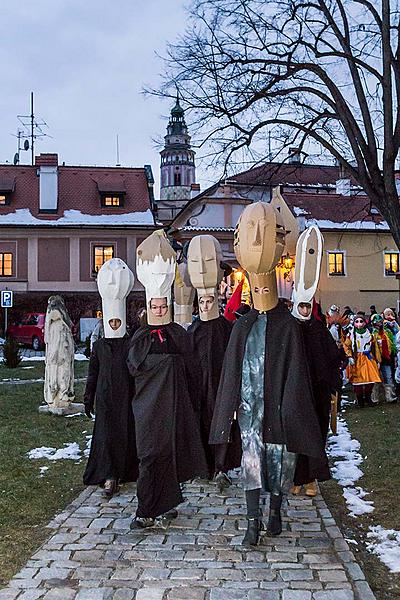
(23,216)
(202,228)
(359,225)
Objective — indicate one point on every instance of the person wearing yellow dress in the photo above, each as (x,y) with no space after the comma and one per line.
(363,353)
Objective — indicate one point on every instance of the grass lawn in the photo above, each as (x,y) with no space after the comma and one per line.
(27,500)
(35,369)
(378,430)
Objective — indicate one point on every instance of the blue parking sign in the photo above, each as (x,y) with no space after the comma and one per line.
(6,299)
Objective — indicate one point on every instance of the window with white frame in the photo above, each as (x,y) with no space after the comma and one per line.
(336,267)
(391,263)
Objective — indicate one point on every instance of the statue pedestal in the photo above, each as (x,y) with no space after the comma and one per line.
(71,409)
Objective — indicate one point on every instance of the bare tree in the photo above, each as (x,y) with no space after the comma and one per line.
(305,72)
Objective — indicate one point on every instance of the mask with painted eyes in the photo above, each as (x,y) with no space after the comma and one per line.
(204,266)
(155,269)
(258,244)
(307,270)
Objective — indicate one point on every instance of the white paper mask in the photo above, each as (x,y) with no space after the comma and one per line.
(204,265)
(155,269)
(307,269)
(114,281)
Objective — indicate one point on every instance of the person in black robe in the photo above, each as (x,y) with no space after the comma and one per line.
(165,408)
(323,359)
(265,386)
(109,386)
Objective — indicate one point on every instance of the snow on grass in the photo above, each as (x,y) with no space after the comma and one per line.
(70,451)
(78,356)
(88,444)
(385,543)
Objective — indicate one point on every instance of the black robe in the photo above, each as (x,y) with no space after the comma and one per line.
(324,358)
(209,340)
(165,408)
(289,413)
(110,386)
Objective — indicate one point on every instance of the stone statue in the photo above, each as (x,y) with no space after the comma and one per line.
(59,360)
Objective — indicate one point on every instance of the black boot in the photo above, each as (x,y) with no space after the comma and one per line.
(275,520)
(254,526)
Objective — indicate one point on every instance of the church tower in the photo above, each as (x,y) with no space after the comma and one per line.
(177,161)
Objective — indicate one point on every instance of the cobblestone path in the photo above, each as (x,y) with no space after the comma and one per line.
(92,554)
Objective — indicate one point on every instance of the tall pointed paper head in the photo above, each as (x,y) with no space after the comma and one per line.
(155,268)
(258,244)
(307,270)
(114,281)
(204,265)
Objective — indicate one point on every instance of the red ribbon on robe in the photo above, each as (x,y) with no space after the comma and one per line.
(158,332)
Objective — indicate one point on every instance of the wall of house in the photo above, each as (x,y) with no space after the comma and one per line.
(364,282)
(62,260)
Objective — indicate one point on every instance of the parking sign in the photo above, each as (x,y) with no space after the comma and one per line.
(6,299)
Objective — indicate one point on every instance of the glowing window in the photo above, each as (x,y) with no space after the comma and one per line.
(391,263)
(336,264)
(101,255)
(6,266)
(3,199)
(112,200)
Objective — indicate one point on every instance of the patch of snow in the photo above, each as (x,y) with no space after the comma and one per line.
(43,471)
(23,216)
(355,501)
(32,358)
(342,446)
(385,543)
(78,414)
(88,444)
(299,212)
(31,367)
(80,356)
(70,452)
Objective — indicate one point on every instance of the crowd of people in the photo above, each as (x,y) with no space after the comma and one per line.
(370,346)
(185,397)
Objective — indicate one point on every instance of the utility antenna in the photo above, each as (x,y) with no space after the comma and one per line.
(118,164)
(33,129)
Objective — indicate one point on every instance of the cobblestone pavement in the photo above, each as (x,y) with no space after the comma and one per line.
(92,554)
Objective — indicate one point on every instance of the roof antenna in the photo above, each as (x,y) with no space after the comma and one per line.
(32,129)
(118,164)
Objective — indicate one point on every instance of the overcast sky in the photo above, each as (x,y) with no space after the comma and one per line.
(87,62)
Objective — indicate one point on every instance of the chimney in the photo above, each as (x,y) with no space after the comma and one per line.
(343,186)
(294,156)
(48,182)
(194,190)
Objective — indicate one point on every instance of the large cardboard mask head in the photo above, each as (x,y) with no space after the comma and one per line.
(258,244)
(183,295)
(204,266)
(307,271)
(155,268)
(114,281)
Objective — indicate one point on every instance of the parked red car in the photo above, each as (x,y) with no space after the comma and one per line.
(29,331)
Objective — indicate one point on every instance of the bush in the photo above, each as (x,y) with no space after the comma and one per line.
(11,353)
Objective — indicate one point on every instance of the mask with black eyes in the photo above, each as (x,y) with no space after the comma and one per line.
(258,244)
(204,266)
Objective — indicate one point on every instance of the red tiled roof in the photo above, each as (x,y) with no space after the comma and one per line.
(274,174)
(332,207)
(78,189)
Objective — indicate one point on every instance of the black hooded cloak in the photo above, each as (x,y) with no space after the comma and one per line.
(324,358)
(165,408)
(209,340)
(110,386)
(289,413)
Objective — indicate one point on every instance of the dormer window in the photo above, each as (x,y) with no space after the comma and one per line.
(112,192)
(4,199)
(7,186)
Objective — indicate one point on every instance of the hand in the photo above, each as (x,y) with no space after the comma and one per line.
(88,411)
(351,361)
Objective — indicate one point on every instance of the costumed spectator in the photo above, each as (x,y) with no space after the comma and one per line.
(183,296)
(165,402)
(234,302)
(109,387)
(97,333)
(334,323)
(322,353)
(389,321)
(209,337)
(362,371)
(265,379)
(386,355)
(59,356)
